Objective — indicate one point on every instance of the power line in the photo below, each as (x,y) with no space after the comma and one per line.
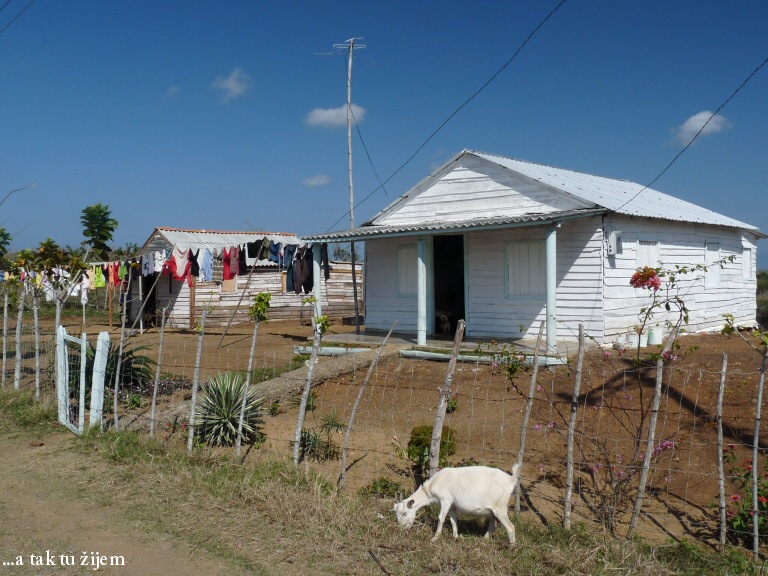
(695,136)
(4,5)
(467,101)
(17,15)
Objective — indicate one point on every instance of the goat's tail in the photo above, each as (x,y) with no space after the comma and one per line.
(516,472)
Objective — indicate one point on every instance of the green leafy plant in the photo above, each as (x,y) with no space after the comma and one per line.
(506,358)
(274,408)
(739,514)
(452,404)
(382,488)
(217,413)
(98,227)
(317,443)
(136,370)
(133,401)
(311,402)
(260,306)
(417,449)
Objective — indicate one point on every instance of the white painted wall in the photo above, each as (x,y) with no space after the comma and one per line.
(685,245)
(492,312)
(383,302)
(473,188)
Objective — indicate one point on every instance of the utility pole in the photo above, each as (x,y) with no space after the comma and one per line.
(350,46)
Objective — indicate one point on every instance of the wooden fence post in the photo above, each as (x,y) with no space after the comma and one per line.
(343,475)
(527,413)
(445,393)
(195,382)
(720,467)
(755,448)
(157,375)
(651,432)
(316,337)
(571,427)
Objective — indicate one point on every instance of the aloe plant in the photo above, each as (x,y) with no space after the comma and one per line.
(218,411)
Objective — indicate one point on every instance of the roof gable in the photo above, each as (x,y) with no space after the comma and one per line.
(469,188)
(479,185)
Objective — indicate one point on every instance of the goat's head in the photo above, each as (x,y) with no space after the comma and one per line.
(405,512)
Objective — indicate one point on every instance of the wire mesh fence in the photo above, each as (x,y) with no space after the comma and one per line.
(483,422)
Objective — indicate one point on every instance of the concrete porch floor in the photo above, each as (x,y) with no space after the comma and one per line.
(408,341)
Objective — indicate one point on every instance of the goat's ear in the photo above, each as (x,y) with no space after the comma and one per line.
(410,503)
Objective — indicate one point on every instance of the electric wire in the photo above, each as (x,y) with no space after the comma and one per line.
(17,15)
(362,140)
(695,136)
(450,117)
(4,5)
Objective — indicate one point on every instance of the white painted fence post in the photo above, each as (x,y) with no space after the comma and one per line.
(61,376)
(99,375)
(83,384)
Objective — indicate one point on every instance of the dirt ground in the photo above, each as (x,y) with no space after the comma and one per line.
(403,393)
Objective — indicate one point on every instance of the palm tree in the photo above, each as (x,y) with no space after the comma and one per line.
(98,227)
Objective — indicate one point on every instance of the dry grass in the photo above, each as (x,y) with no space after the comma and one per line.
(272,517)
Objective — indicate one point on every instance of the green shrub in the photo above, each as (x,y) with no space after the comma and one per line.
(318,444)
(383,488)
(417,450)
(136,369)
(217,413)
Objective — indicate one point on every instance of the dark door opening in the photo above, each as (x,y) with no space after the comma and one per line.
(448,281)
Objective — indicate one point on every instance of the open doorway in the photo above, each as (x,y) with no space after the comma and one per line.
(448,282)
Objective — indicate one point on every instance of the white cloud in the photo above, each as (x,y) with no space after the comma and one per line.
(334,117)
(316,180)
(690,127)
(236,84)
(172,91)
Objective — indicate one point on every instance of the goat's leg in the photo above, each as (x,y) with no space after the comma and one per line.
(454,525)
(491,526)
(440,521)
(503,517)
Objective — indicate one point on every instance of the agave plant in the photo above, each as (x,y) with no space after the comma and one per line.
(217,413)
(135,369)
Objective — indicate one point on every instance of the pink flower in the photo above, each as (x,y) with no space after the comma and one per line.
(550,425)
(646,277)
(735,497)
(539,388)
(607,353)
(537,426)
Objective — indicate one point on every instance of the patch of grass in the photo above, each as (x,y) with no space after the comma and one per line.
(259,375)
(211,501)
(19,409)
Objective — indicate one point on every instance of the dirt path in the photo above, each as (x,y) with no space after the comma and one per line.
(49,517)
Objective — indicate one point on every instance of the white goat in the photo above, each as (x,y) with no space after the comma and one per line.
(475,490)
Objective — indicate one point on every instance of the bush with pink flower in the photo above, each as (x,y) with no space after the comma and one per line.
(740,514)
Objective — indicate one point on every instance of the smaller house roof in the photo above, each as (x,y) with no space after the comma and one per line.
(214,240)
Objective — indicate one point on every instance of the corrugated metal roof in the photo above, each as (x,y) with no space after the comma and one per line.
(619,196)
(486,223)
(216,240)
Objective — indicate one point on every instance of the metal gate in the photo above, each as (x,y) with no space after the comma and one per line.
(71,407)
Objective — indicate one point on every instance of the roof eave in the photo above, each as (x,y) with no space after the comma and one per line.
(370,232)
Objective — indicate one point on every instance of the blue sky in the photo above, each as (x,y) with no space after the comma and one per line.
(221,115)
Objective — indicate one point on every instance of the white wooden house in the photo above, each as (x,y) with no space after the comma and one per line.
(507,244)
(230,301)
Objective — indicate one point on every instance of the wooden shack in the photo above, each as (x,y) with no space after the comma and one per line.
(228,300)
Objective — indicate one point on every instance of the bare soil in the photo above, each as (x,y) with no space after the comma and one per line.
(39,515)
